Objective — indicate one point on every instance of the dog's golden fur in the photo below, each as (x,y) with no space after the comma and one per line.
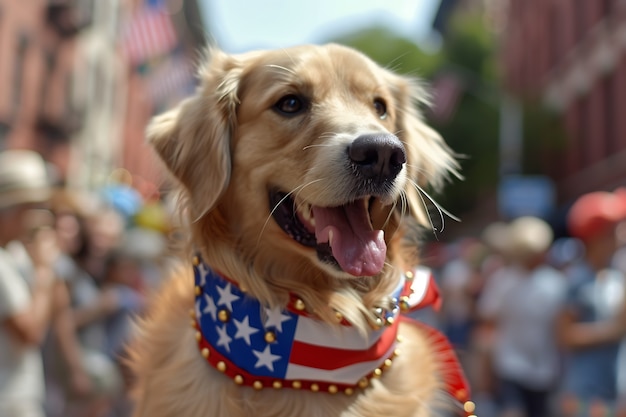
(228,146)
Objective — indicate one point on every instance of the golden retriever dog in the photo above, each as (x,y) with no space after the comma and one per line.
(303,173)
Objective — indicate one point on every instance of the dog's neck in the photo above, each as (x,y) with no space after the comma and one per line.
(290,347)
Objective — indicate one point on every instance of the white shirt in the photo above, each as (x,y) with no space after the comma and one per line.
(525,305)
(21,369)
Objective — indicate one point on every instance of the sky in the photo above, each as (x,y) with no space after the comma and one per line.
(242,25)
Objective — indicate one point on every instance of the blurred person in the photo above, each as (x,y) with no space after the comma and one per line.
(67,394)
(124,279)
(593,320)
(26,291)
(462,281)
(522,300)
(460,285)
(90,231)
(104,227)
(566,253)
(480,367)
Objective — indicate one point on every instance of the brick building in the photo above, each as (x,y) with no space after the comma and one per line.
(69,90)
(572,55)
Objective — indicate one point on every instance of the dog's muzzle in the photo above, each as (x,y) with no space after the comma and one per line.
(343,234)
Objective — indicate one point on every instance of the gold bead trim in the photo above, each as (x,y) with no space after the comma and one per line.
(404,303)
(270,336)
(314,387)
(332,389)
(299,305)
(223,316)
(469,407)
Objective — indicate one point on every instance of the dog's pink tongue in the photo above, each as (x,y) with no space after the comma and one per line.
(359,250)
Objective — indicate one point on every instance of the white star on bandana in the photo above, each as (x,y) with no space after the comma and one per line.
(224,338)
(275,318)
(244,330)
(265,358)
(226,296)
(210,308)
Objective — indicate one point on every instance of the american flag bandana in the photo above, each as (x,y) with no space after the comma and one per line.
(288,348)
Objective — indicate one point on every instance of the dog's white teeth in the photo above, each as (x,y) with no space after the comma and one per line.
(307,215)
(330,238)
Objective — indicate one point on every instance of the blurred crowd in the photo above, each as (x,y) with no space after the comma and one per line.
(540,323)
(75,268)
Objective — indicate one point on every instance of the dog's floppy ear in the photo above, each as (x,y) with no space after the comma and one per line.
(430,160)
(193,139)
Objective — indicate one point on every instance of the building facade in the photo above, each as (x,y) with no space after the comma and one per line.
(72,91)
(572,55)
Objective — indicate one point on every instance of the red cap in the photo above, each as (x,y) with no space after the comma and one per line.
(595,213)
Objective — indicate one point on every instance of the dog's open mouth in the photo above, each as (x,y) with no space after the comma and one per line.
(342,236)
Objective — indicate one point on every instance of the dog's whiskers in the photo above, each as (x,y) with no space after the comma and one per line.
(319,145)
(386,222)
(422,193)
(297,189)
(325,135)
(306,185)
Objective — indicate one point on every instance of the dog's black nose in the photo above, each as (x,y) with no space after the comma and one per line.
(378,155)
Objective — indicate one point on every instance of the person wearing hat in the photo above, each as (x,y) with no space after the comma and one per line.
(27,284)
(593,320)
(521,302)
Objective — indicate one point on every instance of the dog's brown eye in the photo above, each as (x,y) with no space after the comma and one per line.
(381,107)
(290,105)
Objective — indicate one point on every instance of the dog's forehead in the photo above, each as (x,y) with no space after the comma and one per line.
(328,65)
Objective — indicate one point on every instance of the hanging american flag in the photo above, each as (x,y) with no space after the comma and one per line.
(148,33)
(171,80)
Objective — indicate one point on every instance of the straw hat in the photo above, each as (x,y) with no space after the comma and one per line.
(530,236)
(23,178)
(595,213)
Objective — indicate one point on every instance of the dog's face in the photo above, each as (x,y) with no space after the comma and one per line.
(309,155)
